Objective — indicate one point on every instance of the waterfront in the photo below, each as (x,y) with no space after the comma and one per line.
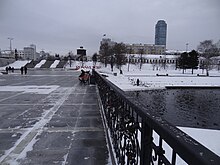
(197,108)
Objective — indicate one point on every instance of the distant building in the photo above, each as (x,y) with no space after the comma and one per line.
(160,33)
(145,49)
(35,52)
(81,51)
(30,52)
(20,54)
(108,42)
(6,54)
(44,55)
(81,54)
(136,48)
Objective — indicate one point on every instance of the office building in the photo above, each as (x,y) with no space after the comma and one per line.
(160,33)
(30,52)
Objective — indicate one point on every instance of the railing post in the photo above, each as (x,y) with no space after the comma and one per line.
(146,144)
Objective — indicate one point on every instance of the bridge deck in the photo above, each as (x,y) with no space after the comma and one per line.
(48,117)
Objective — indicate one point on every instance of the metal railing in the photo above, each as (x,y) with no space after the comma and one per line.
(133,130)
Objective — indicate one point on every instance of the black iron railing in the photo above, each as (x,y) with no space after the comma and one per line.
(134,129)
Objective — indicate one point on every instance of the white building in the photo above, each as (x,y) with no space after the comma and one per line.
(35,53)
(154,58)
(145,49)
(20,54)
(30,52)
(6,54)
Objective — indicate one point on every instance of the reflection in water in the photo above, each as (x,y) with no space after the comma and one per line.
(185,107)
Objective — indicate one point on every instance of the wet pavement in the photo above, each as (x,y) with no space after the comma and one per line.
(48,117)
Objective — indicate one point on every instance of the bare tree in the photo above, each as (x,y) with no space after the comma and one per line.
(106,52)
(70,58)
(208,50)
(129,57)
(120,50)
(94,58)
(141,52)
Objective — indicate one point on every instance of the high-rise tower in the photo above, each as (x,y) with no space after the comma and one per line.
(160,33)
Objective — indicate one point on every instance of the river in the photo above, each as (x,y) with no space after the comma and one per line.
(197,108)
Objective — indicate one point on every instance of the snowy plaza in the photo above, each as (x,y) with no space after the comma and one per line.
(49,118)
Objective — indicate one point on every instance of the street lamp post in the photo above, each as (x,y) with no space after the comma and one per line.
(10,39)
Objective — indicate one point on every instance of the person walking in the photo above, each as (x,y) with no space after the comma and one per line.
(25,70)
(22,70)
(6,70)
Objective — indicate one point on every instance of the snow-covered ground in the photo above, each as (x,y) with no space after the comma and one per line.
(127,83)
(166,77)
(30,89)
(40,64)
(56,62)
(208,138)
(16,64)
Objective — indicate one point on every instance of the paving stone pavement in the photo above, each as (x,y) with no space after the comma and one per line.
(48,117)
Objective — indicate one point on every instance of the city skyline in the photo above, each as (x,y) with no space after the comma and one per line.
(60,27)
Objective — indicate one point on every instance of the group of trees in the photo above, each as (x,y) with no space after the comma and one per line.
(113,54)
(207,49)
(188,60)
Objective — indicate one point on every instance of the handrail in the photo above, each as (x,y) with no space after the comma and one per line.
(132,126)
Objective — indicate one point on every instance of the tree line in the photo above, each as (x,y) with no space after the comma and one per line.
(116,55)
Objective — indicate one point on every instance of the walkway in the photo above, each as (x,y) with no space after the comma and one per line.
(47,117)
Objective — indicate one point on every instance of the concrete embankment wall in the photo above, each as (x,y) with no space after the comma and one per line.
(5,61)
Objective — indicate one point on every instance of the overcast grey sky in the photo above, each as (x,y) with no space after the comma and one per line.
(59,26)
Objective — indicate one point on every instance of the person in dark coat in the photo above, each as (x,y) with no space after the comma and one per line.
(25,70)
(22,70)
(6,69)
(82,75)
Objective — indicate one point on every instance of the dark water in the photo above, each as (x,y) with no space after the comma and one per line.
(199,108)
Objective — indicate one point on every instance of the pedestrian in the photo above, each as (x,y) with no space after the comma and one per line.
(6,70)
(22,69)
(138,82)
(25,70)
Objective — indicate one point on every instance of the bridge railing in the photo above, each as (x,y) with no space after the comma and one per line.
(139,136)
